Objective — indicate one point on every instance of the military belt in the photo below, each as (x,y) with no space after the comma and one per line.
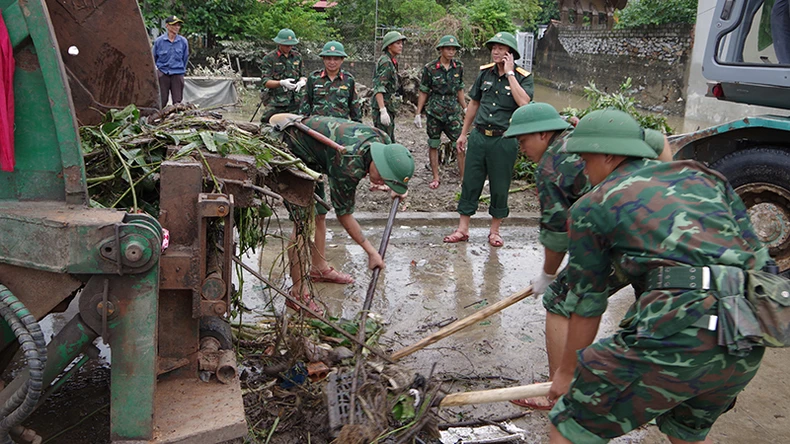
(692,278)
(708,322)
(490,132)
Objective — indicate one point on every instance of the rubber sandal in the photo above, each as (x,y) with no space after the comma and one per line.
(495,242)
(332,276)
(434,184)
(531,403)
(307,300)
(455,237)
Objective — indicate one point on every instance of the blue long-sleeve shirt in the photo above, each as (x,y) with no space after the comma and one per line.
(171,57)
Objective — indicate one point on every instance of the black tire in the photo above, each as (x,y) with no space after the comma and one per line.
(217,328)
(761,176)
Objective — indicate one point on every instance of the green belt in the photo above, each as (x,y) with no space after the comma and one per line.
(691,278)
(708,322)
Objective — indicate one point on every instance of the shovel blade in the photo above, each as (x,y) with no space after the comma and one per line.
(284,120)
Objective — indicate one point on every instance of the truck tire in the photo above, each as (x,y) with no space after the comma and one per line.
(761,177)
(217,328)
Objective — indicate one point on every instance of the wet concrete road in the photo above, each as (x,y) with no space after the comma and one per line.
(427,283)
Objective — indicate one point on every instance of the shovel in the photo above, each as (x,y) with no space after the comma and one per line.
(284,120)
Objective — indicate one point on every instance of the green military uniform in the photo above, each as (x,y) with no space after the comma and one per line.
(489,154)
(343,171)
(278,66)
(385,81)
(331,98)
(444,112)
(665,361)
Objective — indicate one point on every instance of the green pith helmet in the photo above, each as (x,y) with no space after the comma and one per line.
(448,40)
(395,164)
(507,39)
(610,131)
(655,139)
(286,37)
(535,117)
(333,48)
(390,38)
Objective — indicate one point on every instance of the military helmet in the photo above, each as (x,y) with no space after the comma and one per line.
(535,117)
(390,38)
(448,40)
(333,48)
(395,164)
(507,39)
(610,131)
(286,37)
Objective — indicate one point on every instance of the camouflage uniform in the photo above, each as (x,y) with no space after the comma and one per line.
(343,171)
(331,98)
(278,66)
(491,156)
(444,112)
(385,81)
(662,363)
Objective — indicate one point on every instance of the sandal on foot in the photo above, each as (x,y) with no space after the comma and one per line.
(540,403)
(434,184)
(495,240)
(309,302)
(456,237)
(331,275)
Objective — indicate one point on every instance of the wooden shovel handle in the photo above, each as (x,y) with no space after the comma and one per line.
(496,395)
(320,137)
(462,323)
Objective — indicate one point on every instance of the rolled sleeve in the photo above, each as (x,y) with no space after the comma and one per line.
(554,240)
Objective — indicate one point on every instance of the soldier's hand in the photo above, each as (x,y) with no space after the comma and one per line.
(375,261)
(541,283)
(300,84)
(418,121)
(385,117)
(509,62)
(460,145)
(561,384)
(288,84)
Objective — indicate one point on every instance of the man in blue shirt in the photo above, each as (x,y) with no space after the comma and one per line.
(171,52)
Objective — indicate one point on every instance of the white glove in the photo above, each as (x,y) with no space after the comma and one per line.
(418,121)
(464,111)
(541,283)
(288,84)
(385,117)
(300,84)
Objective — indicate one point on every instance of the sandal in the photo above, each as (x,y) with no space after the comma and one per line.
(309,302)
(455,237)
(331,275)
(434,184)
(539,403)
(495,240)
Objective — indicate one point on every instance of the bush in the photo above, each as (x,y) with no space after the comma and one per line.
(657,12)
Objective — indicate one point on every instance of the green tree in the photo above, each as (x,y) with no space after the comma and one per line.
(657,12)
(491,16)
(418,12)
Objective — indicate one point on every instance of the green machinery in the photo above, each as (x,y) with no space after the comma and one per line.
(160,312)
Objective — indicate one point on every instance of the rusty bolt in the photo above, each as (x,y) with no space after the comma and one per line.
(110,308)
(133,252)
(222,210)
(219,308)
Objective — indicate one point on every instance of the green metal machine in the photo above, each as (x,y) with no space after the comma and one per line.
(160,312)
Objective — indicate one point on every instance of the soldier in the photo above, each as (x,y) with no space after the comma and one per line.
(500,88)
(331,91)
(369,151)
(281,76)
(385,83)
(560,181)
(680,230)
(442,86)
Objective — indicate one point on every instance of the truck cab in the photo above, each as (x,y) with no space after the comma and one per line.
(747,60)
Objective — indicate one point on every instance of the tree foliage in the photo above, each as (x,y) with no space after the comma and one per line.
(657,12)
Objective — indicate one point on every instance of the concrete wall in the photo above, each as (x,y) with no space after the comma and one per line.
(656,59)
(704,111)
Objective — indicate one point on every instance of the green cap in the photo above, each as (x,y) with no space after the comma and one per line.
(507,39)
(333,48)
(610,131)
(535,117)
(448,40)
(286,37)
(395,164)
(655,139)
(390,38)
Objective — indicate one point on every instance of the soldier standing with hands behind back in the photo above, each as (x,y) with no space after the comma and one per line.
(281,76)
(442,87)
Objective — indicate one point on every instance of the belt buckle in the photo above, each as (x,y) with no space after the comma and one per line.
(489,133)
(706,278)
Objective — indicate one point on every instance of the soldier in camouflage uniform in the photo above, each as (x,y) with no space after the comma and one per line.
(331,91)
(281,76)
(369,151)
(500,88)
(442,87)
(560,181)
(385,83)
(672,227)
